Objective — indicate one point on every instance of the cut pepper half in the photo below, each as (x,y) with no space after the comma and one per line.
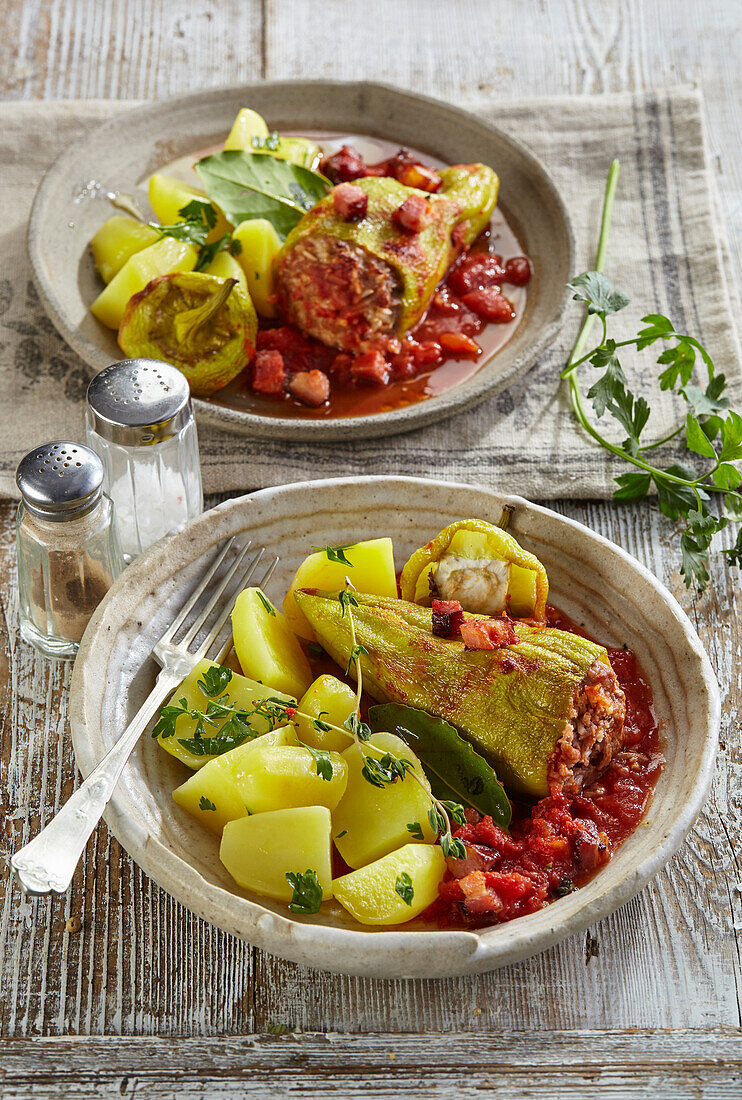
(481,566)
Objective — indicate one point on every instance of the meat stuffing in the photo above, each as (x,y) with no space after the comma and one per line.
(340,294)
(593,733)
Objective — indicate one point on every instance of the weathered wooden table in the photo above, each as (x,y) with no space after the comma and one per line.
(649,1000)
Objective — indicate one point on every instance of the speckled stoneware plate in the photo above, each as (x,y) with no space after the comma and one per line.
(596,582)
(121,154)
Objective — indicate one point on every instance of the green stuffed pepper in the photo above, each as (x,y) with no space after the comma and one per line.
(481,566)
(546,710)
(357,277)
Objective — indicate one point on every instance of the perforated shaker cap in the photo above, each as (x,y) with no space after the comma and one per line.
(60,480)
(139,401)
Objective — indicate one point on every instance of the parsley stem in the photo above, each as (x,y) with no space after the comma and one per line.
(605,226)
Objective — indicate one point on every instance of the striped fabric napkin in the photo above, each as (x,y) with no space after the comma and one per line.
(667,252)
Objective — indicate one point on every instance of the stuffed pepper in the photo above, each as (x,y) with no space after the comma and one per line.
(481,566)
(543,705)
(361,267)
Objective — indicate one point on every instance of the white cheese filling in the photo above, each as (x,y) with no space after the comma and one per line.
(479,584)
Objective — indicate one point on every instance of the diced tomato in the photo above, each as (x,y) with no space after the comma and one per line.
(414,357)
(488,633)
(371,366)
(490,304)
(414,215)
(312,387)
(448,616)
(517,271)
(344,165)
(417,175)
(443,301)
(268,372)
(461,345)
(350,202)
(340,366)
(475,271)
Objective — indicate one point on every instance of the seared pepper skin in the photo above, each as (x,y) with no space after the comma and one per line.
(512,703)
(461,209)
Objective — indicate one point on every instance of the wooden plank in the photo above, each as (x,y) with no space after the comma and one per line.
(588,1064)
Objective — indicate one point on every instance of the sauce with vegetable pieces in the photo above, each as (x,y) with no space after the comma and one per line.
(558,844)
(473,314)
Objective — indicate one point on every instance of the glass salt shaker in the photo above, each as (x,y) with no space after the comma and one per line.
(68,553)
(140,421)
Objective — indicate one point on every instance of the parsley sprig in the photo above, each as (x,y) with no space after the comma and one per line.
(199,218)
(704,500)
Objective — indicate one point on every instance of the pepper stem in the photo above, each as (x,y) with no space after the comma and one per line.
(190,321)
(504,521)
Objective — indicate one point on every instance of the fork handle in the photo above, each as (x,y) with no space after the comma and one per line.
(47,863)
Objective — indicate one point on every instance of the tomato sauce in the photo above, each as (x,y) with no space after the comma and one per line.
(558,844)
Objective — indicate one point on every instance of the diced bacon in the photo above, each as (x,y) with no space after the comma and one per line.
(475,271)
(344,165)
(350,202)
(414,215)
(490,304)
(417,175)
(488,633)
(448,616)
(462,346)
(478,897)
(310,386)
(370,367)
(478,858)
(268,372)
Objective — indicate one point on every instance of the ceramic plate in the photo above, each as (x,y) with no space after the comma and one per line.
(120,154)
(595,582)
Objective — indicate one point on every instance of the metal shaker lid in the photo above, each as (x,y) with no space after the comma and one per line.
(60,480)
(138,402)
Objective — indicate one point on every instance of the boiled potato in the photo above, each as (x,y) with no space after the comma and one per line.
(116,241)
(266,647)
(370,894)
(278,777)
(224,266)
(212,795)
(162,258)
(370,821)
(168,196)
(334,701)
(250,132)
(240,690)
(258,244)
(371,570)
(248,125)
(259,851)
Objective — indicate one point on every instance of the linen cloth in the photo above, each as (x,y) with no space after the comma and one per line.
(667,251)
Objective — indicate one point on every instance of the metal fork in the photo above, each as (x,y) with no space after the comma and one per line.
(47,863)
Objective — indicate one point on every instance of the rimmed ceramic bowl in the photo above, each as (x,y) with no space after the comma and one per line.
(595,581)
(116,156)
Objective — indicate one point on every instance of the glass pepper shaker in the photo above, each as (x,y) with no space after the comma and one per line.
(68,553)
(140,421)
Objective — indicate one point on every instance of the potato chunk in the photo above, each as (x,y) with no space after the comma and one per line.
(274,777)
(117,241)
(161,258)
(258,244)
(259,851)
(371,570)
(266,647)
(248,125)
(372,821)
(370,894)
(240,690)
(224,266)
(334,701)
(168,196)
(212,795)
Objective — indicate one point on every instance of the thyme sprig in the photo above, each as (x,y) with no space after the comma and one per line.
(711,430)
